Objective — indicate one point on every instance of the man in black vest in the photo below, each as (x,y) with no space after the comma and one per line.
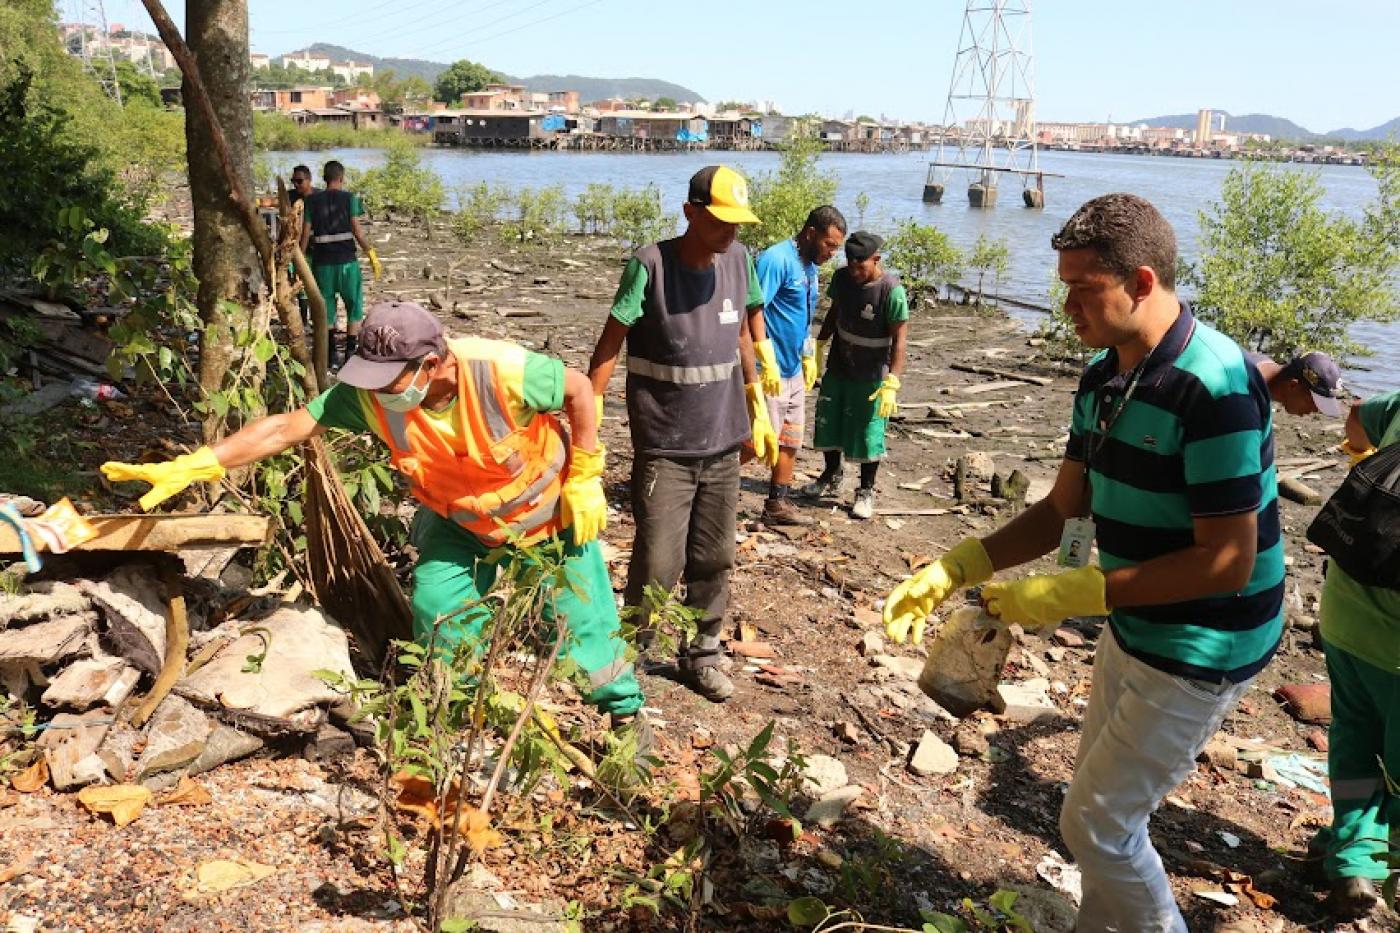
(868,316)
(332,228)
(690,310)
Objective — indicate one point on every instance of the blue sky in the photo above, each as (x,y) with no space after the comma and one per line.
(1324,65)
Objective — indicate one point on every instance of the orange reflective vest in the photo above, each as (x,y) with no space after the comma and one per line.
(506,487)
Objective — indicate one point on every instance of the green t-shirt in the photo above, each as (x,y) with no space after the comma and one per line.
(632,292)
(896,305)
(1365,620)
(540,389)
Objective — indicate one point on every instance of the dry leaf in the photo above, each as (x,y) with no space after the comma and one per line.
(415,795)
(187,794)
(226,874)
(33,777)
(1261,900)
(475,827)
(123,801)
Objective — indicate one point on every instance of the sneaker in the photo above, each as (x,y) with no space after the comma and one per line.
(782,512)
(864,505)
(707,680)
(823,487)
(1351,898)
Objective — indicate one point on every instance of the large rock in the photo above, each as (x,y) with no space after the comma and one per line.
(47,600)
(45,642)
(829,808)
(293,644)
(90,681)
(824,774)
(175,738)
(933,756)
(1026,702)
(134,607)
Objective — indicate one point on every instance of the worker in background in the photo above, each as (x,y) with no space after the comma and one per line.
(866,329)
(787,273)
(298,193)
(473,426)
(1169,467)
(301,184)
(693,398)
(332,229)
(1308,384)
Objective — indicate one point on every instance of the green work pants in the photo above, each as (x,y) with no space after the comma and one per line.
(1365,733)
(343,279)
(452,574)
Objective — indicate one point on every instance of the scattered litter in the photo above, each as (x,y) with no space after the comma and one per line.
(1295,770)
(1217,897)
(1062,876)
(1230,839)
(226,874)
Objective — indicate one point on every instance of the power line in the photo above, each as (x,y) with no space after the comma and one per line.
(514,29)
(439,27)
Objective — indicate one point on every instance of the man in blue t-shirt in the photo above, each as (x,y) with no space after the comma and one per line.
(787,272)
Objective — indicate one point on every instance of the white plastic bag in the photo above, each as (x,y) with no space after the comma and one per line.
(965,661)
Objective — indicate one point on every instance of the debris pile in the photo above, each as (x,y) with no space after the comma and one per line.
(140,675)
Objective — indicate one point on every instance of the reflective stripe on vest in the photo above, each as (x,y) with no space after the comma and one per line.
(497,421)
(680,375)
(856,340)
(333,238)
(526,496)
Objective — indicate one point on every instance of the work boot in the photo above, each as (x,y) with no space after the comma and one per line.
(826,486)
(865,504)
(700,673)
(782,512)
(1351,898)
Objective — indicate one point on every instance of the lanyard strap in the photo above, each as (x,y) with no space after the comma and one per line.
(1102,428)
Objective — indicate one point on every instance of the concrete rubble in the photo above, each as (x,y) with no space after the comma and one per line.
(82,653)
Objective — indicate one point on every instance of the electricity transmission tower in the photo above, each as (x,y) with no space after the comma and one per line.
(989,121)
(96,51)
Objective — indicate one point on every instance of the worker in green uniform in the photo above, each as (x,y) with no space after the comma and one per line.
(331,230)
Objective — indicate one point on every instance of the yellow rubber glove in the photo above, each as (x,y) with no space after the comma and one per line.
(374,264)
(598,400)
(167,478)
(809,371)
(765,439)
(887,405)
(908,606)
(582,504)
(1045,602)
(821,357)
(768,367)
(1356,456)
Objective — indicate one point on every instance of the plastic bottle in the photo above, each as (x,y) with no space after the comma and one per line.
(83,387)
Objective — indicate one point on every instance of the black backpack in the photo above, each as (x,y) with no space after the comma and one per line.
(1359,527)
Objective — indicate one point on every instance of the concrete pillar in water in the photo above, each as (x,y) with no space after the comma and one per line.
(980,195)
(933,193)
(1033,197)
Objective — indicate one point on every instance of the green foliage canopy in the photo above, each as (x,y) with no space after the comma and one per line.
(462,77)
(783,200)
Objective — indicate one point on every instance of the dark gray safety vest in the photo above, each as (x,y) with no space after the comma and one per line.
(685,388)
(332,241)
(860,350)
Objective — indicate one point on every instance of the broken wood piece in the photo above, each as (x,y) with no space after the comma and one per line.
(1000,373)
(505,267)
(162,532)
(1295,490)
(991,387)
(756,650)
(177,640)
(520,312)
(914,512)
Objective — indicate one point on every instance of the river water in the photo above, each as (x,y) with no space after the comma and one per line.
(1180,188)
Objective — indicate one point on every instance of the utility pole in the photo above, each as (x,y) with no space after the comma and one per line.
(96,54)
(989,120)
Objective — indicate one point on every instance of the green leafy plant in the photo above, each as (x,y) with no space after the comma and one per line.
(924,257)
(1279,273)
(539,217)
(1057,331)
(402,185)
(989,257)
(783,200)
(639,218)
(862,205)
(594,208)
(478,207)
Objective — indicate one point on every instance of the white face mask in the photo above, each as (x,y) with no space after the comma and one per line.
(408,399)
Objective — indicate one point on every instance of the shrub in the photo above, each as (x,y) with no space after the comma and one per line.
(782,201)
(639,218)
(403,185)
(924,257)
(594,208)
(539,217)
(478,207)
(988,257)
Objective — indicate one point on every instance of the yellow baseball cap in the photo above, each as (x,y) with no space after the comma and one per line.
(724,193)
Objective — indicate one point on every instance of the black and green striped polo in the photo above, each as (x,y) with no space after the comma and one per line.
(1194,440)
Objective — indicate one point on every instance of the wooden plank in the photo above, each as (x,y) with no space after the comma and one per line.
(162,532)
(1000,373)
(991,387)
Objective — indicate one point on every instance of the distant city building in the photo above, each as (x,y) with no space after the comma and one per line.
(138,48)
(259,60)
(352,71)
(306,61)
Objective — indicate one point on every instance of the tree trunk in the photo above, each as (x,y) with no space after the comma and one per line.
(224,262)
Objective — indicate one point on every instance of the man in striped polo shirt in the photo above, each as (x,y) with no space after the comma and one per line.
(1170,469)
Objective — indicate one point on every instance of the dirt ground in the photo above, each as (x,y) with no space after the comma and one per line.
(812,593)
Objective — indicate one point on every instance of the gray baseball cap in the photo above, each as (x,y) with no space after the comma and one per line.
(395,333)
(1323,377)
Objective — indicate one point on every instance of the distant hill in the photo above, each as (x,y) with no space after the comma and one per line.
(588,88)
(1277,127)
(1384,131)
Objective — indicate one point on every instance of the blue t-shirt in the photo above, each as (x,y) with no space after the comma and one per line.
(789,302)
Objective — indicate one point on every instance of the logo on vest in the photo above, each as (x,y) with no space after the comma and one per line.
(727,314)
(868,312)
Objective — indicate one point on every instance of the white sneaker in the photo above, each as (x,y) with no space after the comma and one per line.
(865,504)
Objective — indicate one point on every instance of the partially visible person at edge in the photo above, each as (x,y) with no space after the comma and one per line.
(1170,465)
(866,329)
(332,228)
(473,426)
(299,191)
(1360,629)
(1308,384)
(690,310)
(787,273)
